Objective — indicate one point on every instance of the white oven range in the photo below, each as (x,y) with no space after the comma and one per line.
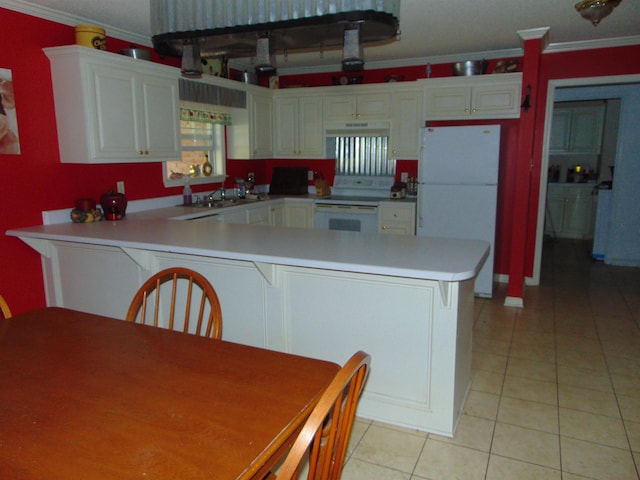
(353,204)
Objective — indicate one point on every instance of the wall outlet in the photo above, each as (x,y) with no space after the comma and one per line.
(310,175)
(120,186)
(404,176)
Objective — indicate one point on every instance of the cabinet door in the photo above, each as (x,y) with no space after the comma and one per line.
(161,116)
(496,101)
(298,214)
(554,218)
(399,218)
(579,215)
(373,106)
(447,102)
(260,215)
(560,129)
(405,126)
(261,126)
(286,131)
(586,129)
(277,215)
(118,131)
(311,143)
(339,107)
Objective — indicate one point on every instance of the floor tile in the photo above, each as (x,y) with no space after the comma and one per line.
(535,352)
(358,430)
(626,384)
(519,367)
(481,404)
(525,444)
(579,377)
(524,413)
(585,360)
(501,468)
(587,400)
(596,461)
(472,432)
(358,470)
(486,381)
(390,448)
(442,461)
(630,407)
(489,362)
(633,432)
(529,389)
(593,428)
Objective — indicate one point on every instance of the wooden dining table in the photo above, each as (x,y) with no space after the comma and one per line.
(89,397)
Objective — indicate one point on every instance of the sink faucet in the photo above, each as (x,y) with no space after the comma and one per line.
(223,194)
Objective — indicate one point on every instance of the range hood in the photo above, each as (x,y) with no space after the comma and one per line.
(232,27)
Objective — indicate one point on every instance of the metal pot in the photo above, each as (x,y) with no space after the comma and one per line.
(470,67)
(247,77)
(134,52)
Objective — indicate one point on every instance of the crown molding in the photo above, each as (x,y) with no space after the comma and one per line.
(72,20)
(593,44)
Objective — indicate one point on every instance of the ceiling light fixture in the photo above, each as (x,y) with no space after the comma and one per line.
(265,55)
(352,51)
(596,10)
(234,28)
(191,65)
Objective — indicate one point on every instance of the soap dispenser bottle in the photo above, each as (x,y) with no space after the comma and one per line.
(186,192)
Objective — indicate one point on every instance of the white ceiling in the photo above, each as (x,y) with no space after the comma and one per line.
(431,31)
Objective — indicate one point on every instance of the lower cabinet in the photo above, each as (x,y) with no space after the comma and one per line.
(298,213)
(570,211)
(398,218)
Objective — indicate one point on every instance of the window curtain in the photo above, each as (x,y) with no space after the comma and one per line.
(197,112)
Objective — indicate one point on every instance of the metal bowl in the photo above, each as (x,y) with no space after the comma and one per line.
(470,67)
(140,53)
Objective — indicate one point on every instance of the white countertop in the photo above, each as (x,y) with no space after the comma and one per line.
(380,254)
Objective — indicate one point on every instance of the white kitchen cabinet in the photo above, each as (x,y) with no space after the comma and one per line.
(261,120)
(577,127)
(298,213)
(112,109)
(397,217)
(258,215)
(357,106)
(481,96)
(251,132)
(299,128)
(405,124)
(570,211)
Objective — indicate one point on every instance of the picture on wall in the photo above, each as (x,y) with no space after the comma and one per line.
(9,139)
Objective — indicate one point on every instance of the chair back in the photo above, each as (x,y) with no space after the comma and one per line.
(325,435)
(4,308)
(187,289)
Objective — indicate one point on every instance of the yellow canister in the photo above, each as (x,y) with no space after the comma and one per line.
(91,36)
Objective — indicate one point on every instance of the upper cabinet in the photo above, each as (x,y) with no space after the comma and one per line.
(299,126)
(478,97)
(577,127)
(111,108)
(261,120)
(406,121)
(357,105)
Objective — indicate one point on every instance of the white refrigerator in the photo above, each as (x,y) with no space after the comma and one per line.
(458,185)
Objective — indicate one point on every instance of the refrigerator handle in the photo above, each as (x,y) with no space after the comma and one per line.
(419,219)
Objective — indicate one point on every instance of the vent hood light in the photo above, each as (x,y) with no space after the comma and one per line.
(233,27)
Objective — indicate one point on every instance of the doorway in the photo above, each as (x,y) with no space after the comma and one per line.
(609,81)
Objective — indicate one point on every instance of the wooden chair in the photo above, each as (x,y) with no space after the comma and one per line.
(180,279)
(327,430)
(4,308)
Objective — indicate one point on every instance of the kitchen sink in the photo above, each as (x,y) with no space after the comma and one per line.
(217,203)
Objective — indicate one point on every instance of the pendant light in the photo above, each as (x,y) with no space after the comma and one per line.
(265,55)
(191,65)
(352,51)
(596,10)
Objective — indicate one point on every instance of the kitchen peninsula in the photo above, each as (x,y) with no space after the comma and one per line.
(407,300)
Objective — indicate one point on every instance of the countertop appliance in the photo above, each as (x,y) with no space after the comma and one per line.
(289,181)
(458,185)
(353,204)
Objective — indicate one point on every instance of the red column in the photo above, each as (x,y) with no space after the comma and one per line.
(534,43)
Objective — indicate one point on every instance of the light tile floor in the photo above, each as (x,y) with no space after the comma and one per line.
(556,387)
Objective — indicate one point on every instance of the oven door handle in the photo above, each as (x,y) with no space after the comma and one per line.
(329,207)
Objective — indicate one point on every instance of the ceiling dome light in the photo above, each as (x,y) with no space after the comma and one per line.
(596,10)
